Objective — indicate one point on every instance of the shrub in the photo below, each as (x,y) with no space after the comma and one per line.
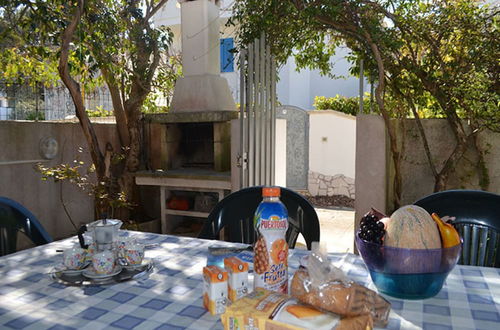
(99,112)
(347,105)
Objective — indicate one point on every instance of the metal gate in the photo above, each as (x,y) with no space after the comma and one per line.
(257,115)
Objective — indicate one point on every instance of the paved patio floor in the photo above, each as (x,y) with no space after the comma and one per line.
(337,230)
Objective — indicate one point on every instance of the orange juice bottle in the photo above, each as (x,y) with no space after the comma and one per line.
(270,248)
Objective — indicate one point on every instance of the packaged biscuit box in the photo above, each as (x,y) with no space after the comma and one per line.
(214,289)
(237,277)
(264,309)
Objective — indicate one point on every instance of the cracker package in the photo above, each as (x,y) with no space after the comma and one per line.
(264,309)
(318,283)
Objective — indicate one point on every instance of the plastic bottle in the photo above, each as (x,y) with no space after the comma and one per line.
(271,248)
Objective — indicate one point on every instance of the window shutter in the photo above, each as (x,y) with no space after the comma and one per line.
(226,56)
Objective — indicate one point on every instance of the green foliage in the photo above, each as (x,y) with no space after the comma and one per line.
(106,41)
(447,60)
(99,112)
(33,115)
(88,43)
(428,58)
(169,70)
(106,198)
(347,105)
(439,56)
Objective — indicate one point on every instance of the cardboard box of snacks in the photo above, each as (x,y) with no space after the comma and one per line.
(263,309)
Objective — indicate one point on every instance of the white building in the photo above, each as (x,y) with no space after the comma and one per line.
(293,88)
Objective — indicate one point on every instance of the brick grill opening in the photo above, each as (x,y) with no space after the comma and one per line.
(196,148)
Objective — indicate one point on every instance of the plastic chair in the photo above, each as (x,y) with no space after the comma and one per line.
(477,219)
(13,218)
(235,214)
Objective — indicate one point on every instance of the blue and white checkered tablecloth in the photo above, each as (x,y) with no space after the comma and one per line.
(171,297)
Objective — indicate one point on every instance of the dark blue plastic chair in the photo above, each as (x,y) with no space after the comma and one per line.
(477,219)
(14,218)
(235,214)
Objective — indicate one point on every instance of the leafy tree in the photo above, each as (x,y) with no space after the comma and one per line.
(432,55)
(90,41)
(447,62)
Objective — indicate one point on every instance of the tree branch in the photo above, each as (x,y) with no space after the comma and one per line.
(74,90)
(421,130)
(118,107)
(153,10)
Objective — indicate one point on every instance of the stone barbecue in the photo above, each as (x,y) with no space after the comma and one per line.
(190,146)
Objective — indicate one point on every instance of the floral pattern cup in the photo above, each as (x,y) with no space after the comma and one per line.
(133,253)
(103,262)
(120,243)
(90,251)
(74,258)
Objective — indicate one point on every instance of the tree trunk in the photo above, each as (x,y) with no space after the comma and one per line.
(75,92)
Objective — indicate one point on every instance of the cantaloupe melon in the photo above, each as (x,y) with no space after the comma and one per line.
(412,227)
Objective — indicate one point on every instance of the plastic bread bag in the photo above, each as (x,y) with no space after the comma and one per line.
(263,309)
(320,284)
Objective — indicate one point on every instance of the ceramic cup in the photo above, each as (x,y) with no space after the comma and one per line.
(90,251)
(133,253)
(74,258)
(121,242)
(103,262)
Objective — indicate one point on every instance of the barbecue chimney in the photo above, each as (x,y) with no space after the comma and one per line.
(202,88)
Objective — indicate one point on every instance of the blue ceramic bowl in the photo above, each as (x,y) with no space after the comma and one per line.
(408,273)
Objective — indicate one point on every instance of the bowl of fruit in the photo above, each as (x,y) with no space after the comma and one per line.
(409,254)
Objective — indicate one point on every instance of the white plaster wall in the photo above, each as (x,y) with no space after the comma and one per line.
(293,88)
(169,14)
(300,88)
(280,156)
(345,84)
(20,181)
(332,143)
(200,27)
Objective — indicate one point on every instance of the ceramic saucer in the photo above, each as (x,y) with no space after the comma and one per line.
(145,263)
(70,272)
(90,273)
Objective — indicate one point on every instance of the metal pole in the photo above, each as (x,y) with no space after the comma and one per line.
(251,118)
(273,121)
(243,153)
(263,108)
(361,78)
(257,112)
(268,116)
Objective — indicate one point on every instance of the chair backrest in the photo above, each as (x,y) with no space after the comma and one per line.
(235,214)
(13,218)
(477,219)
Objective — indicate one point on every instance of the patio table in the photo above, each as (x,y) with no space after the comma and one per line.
(171,296)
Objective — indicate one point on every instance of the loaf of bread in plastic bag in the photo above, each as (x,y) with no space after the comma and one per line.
(345,298)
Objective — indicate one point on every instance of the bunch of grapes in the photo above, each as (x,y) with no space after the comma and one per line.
(371,229)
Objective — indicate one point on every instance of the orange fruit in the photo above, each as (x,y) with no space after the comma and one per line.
(279,251)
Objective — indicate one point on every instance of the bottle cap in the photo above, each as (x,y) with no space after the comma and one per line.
(271,192)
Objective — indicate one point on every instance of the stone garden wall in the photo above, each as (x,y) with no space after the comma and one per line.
(328,185)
